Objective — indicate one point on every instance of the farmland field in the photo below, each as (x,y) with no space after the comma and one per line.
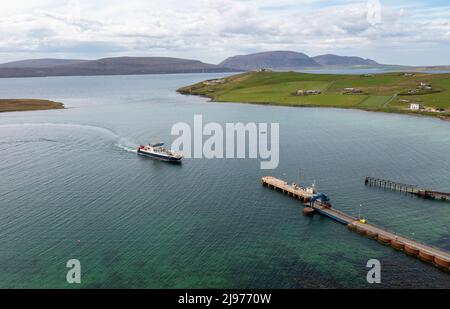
(391,92)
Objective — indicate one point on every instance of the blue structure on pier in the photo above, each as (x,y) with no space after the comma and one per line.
(324,199)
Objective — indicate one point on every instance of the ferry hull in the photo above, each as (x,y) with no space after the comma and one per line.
(159,157)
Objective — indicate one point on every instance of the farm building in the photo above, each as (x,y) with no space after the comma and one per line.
(416,107)
(352,90)
(307,92)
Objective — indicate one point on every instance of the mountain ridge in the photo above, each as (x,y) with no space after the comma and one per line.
(290,60)
(276,60)
(335,60)
(114,66)
(40,63)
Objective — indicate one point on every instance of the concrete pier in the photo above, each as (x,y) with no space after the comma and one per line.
(438,257)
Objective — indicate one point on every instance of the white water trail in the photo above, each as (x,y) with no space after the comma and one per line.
(64,125)
(120,142)
(126,145)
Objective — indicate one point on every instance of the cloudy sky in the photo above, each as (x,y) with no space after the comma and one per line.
(395,31)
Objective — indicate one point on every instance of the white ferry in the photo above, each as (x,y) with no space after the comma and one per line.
(157,151)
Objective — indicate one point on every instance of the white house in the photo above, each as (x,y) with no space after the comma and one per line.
(415,107)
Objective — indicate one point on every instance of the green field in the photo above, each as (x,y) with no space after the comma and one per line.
(18,105)
(383,92)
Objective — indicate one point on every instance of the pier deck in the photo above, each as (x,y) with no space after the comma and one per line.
(436,256)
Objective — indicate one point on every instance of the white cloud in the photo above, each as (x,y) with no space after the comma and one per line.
(211,30)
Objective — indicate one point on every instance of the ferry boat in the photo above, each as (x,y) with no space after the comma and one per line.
(157,151)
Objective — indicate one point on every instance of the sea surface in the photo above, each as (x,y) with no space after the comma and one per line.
(72,187)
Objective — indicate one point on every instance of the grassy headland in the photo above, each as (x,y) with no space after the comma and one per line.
(17,105)
(391,92)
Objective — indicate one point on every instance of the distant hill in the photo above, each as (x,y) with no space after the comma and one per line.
(334,60)
(40,63)
(110,66)
(276,60)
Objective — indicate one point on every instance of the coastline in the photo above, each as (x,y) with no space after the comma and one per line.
(404,113)
(220,92)
(26,105)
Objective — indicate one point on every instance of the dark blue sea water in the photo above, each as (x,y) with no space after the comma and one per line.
(68,175)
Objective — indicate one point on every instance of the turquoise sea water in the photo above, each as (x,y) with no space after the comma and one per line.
(68,175)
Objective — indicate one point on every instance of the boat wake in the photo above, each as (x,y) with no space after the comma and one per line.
(126,145)
(119,142)
(63,125)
